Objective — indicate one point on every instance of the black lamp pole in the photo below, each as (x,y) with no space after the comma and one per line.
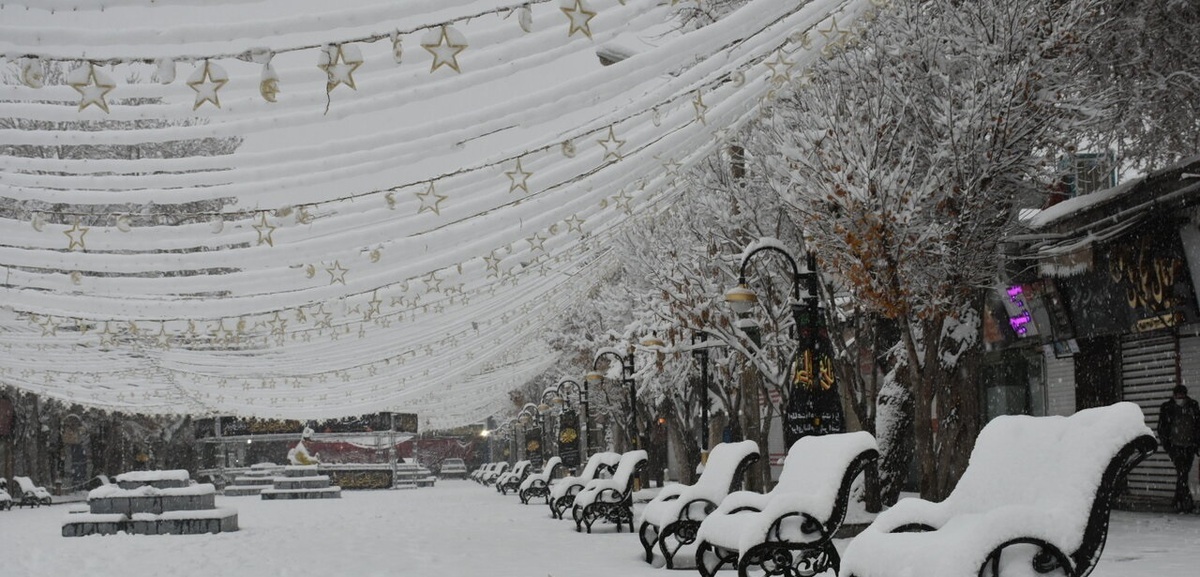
(701,355)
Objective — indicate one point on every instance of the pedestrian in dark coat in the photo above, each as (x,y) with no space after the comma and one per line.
(1179,433)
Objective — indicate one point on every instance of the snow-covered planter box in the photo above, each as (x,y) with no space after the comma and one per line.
(1035,497)
(168,479)
(148,499)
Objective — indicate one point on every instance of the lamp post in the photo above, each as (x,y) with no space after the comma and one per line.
(701,354)
(813,371)
(595,377)
(530,413)
(564,388)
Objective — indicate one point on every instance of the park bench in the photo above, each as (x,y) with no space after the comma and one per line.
(477,473)
(1034,499)
(670,520)
(790,530)
(562,494)
(512,479)
(610,499)
(30,495)
(489,477)
(6,500)
(538,484)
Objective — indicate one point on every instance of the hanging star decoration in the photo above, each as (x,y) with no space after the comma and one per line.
(518,178)
(493,263)
(75,233)
(612,146)
(264,231)
(622,201)
(445,50)
(580,18)
(574,223)
(430,201)
(837,37)
(536,242)
(92,85)
(206,81)
(339,63)
(337,273)
(781,68)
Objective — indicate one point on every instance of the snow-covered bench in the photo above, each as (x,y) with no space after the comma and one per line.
(490,477)
(31,495)
(6,501)
(478,474)
(538,484)
(511,480)
(610,499)
(1035,499)
(789,531)
(562,494)
(670,520)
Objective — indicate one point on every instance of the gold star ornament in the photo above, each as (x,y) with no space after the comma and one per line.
(430,201)
(580,18)
(445,48)
(206,81)
(339,63)
(75,233)
(518,178)
(92,85)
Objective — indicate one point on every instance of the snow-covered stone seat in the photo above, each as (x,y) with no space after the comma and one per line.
(610,499)
(562,494)
(789,530)
(538,484)
(511,480)
(1035,499)
(490,477)
(670,520)
(31,495)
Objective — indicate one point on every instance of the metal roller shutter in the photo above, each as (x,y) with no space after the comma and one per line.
(1060,385)
(1149,369)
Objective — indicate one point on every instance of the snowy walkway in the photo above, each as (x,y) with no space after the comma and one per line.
(457,528)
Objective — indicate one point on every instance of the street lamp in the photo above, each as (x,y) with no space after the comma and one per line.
(813,370)
(595,377)
(701,354)
(530,412)
(562,395)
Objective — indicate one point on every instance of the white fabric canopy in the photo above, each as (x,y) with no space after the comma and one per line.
(393,232)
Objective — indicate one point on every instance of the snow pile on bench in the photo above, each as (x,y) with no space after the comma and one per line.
(809,483)
(607,458)
(713,485)
(1027,477)
(618,484)
(544,476)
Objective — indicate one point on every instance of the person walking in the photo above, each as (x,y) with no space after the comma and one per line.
(1179,433)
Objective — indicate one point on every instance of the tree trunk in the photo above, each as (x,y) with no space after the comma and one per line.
(751,420)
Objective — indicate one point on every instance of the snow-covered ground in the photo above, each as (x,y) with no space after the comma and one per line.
(457,528)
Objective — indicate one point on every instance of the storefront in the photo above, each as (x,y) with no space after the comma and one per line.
(1105,285)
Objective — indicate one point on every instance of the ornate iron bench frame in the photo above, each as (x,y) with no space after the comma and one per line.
(567,501)
(513,481)
(779,556)
(683,529)
(618,511)
(539,487)
(1082,561)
